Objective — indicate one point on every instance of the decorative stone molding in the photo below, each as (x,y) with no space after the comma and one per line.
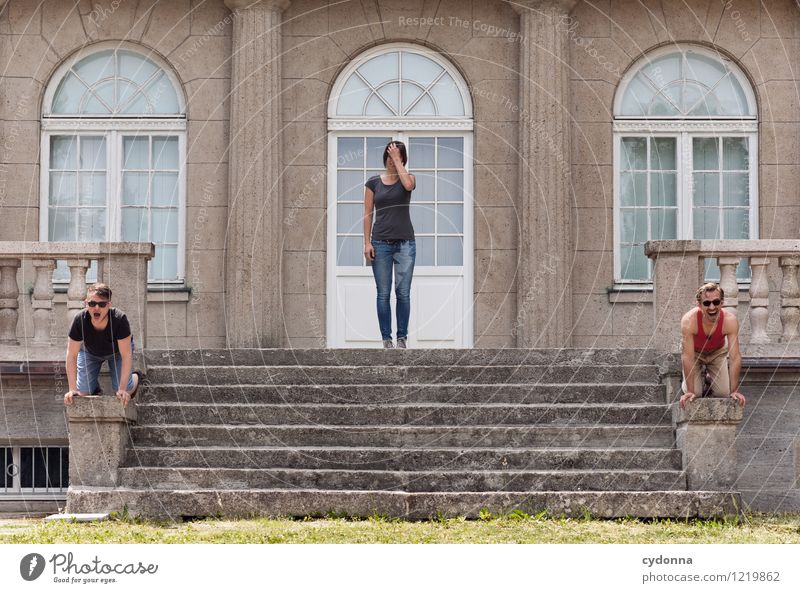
(98,440)
(645,125)
(395,124)
(705,434)
(544,290)
(254,242)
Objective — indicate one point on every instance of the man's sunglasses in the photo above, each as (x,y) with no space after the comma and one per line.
(101,304)
(715,301)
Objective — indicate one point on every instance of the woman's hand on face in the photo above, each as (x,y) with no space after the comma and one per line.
(394,154)
(369,252)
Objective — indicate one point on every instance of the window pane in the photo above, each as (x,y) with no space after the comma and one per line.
(92,224)
(134,188)
(64,467)
(451,251)
(165,152)
(419,68)
(53,467)
(164,265)
(423,107)
(706,224)
(96,66)
(735,154)
(634,263)
(664,224)
(135,152)
(451,186)
(706,154)
(663,105)
(92,189)
(63,189)
(731,97)
(349,251)
(381,68)
(662,154)
(735,189)
(351,99)
(634,225)
(663,189)
(350,218)
(447,96)
(736,223)
(451,153)
(421,153)
(425,251)
(706,189)
(350,152)
(375,148)
(451,218)
(637,97)
(377,107)
(425,188)
(391,94)
(69,94)
(422,217)
(133,67)
(164,190)
(633,189)
(350,186)
(63,151)
(410,94)
(165,225)
(93,153)
(134,224)
(63,224)
(634,154)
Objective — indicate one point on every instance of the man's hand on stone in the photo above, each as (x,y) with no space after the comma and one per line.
(686,398)
(69,397)
(124,397)
(738,398)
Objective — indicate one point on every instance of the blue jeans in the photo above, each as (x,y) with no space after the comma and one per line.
(89,370)
(401,255)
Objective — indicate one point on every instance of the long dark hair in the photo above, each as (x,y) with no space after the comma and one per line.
(400,146)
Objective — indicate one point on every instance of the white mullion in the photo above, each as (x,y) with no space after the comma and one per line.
(721,206)
(649,205)
(436,200)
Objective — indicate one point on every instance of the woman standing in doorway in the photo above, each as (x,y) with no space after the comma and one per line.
(390,243)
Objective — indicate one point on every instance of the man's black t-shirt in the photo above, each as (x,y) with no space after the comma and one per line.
(100,342)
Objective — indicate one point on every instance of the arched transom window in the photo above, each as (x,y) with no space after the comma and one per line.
(113,154)
(685,156)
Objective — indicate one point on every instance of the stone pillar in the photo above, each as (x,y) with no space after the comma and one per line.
(544,290)
(98,440)
(126,273)
(705,434)
(42,302)
(9,301)
(255,164)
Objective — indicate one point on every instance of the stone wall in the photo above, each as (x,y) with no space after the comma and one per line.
(606,37)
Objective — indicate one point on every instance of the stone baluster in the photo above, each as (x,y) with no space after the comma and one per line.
(42,303)
(759,300)
(76,292)
(9,301)
(727,281)
(790,297)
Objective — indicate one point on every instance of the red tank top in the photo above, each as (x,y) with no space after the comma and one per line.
(703,343)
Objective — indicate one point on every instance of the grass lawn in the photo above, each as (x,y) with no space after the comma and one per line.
(759,529)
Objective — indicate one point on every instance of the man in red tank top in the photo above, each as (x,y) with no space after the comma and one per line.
(704,330)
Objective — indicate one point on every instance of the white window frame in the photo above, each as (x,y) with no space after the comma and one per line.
(16,486)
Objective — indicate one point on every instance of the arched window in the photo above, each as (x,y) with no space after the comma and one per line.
(113,154)
(403,92)
(685,156)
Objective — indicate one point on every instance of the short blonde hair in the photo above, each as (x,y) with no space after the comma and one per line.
(709,287)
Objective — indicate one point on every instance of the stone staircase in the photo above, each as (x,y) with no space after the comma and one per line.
(412,434)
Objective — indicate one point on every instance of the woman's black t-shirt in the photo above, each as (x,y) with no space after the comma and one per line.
(100,342)
(392,215)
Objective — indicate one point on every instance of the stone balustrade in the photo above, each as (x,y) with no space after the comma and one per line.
(121,265)
(678,271)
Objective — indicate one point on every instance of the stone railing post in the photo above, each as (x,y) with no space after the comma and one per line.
(759,300)
(126,273)
(676,275)
(544,296)
(727,281)
(98,440)
(790,297)
(253,286)
(705,434)
(9,301)
(42,302)
(76,292)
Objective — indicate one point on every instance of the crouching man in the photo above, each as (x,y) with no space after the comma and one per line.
(704,331)
(100,334)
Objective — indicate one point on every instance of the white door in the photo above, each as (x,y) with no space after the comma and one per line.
(441,212)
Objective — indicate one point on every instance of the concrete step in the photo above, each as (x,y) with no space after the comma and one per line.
(644,393)
(389,459)
(571,436)
(178,504)
(411,481)
(379,357)
(451,415)
(403,375)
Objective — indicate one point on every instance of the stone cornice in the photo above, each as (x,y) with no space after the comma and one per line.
(279,5)
(523,6)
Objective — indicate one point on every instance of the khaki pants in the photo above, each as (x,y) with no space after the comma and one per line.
(717,364)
